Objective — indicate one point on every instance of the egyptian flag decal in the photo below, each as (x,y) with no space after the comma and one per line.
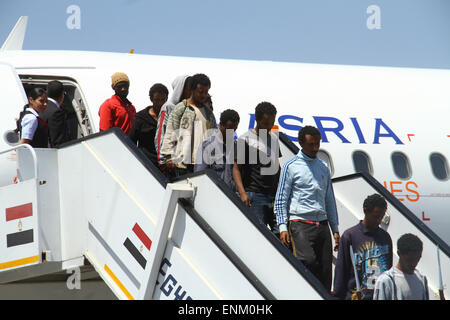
(21,237)
(135,252)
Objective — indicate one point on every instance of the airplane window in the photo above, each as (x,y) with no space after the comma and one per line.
(401,165)
(361,162)
(325,157)
(439,166)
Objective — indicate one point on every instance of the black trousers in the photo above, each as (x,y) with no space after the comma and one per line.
(178,172)
(311,244)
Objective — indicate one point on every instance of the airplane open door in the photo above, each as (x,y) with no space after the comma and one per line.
(13,101)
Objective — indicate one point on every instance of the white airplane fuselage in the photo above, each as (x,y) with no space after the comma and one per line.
(380,111)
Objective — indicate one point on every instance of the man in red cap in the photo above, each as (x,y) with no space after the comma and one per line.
(118,111)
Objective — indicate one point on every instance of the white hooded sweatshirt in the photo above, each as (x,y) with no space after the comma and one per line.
(178,86)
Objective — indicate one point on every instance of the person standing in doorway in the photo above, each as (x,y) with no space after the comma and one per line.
(33,129)
(55,115)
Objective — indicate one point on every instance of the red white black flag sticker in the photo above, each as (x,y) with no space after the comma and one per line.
(134,251)
(21,237)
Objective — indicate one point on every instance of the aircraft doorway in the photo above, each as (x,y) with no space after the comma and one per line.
(78,118)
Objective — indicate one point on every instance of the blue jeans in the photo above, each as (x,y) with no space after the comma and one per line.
(262,208)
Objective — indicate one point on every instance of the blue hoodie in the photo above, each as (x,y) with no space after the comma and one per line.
(305,192)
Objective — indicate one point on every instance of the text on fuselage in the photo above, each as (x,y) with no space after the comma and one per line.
(334,126)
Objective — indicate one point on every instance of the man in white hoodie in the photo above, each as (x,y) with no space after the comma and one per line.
(181,90)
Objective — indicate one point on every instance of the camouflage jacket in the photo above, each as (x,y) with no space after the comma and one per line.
(179,137)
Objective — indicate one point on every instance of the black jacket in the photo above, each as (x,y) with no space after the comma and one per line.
(143,134)
(56,121)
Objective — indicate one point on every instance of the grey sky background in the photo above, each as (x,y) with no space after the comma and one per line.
(413,33)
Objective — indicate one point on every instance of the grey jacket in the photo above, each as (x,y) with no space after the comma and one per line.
(386,289)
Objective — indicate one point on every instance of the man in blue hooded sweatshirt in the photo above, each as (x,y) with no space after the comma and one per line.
(306,209)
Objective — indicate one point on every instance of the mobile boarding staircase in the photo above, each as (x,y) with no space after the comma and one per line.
(95,219)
